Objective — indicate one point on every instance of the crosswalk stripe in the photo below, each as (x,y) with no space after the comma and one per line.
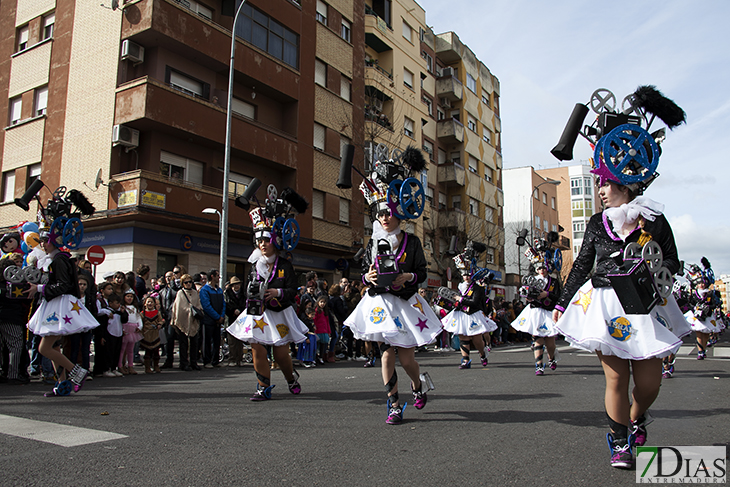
(57,434)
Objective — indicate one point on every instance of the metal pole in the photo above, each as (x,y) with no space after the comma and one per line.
(227,157)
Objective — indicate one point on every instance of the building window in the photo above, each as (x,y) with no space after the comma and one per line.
(490,256)
(317,204)
(16,109)
(588,185)
(408,127)
(367,225)
(544,199)
(536,194)
(237,184)
(320,73)
(429,60)
(471,83)
(242,108)
(471,122)
(269,35)
(23,33)
(429,105)
(456,157)
(440,115)
(488,174)
(552,202)
(319,136)
(442,201)
(181,168)
(473,207)
(344,211)
(322,12)
(489,214)
(428,149)
(577,207)
(407,78)
(485,98)
(346,30)
(537,222)
(187,84)
(345,89)
(407,33)
(487,135)
(201,10)
(545,225)
(8,186)
(34,172)
(456,202)
(589,208)
(48,22)
(473,164)
(442,156)
(576,186)
(344,142)
(41,101)
(429,196)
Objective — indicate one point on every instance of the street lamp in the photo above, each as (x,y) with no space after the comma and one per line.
(227,157)
(532,197)
(210,211)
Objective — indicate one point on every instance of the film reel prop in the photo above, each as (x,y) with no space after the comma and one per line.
(629,153)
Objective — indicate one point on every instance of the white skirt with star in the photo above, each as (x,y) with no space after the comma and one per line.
(398,322)
(596,321)
(708,325)
(535,321)
(272,328)
(465,324)
(62,315)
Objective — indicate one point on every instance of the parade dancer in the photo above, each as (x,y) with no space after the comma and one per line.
(469,318)
(391,312)
(701,316)
(536,318)
(270,318)
(60,312)
(590,314)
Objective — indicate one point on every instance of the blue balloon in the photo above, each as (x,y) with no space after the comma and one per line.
(24,247)
(30,227)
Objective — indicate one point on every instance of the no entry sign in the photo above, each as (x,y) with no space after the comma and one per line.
(95,254)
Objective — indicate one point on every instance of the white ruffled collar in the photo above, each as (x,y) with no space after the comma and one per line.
(628,213)
(262,262)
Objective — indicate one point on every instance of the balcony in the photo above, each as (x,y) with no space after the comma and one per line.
(451,219)
(378,34)
(171,26)
(450,88)
(451,174)
(148,104)
(450,131)
(449,47)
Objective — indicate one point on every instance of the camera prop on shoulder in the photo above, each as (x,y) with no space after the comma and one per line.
(642,282)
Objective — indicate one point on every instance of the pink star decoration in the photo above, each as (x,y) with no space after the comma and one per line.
(422,324)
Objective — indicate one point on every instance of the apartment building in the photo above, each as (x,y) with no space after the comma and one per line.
(138,94)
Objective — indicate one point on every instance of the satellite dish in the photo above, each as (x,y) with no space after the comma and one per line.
(98,182)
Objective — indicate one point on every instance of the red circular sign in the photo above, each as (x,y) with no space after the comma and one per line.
(95,254)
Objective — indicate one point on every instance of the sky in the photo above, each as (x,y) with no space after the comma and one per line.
(550,55)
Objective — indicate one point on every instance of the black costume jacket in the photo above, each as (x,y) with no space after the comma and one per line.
(600,241)
(410,258)
(62,277)
(282,277)
(553,289)
(474,300)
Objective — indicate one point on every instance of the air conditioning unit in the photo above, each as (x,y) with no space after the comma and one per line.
(125,136)
(447,72)
(132,51)
(445,102)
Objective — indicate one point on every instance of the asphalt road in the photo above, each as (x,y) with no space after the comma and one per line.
(498,425)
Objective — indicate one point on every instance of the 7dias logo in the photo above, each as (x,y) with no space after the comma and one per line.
(681,464)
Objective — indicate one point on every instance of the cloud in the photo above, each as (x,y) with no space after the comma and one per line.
(695,240)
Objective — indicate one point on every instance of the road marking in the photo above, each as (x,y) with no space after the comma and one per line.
(58,434)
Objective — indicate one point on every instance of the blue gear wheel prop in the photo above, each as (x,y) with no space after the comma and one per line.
(73,233)
(412,198)
(290,234)
(557,260)
(628,146)
(393,196)
(58,225)
(278,231)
